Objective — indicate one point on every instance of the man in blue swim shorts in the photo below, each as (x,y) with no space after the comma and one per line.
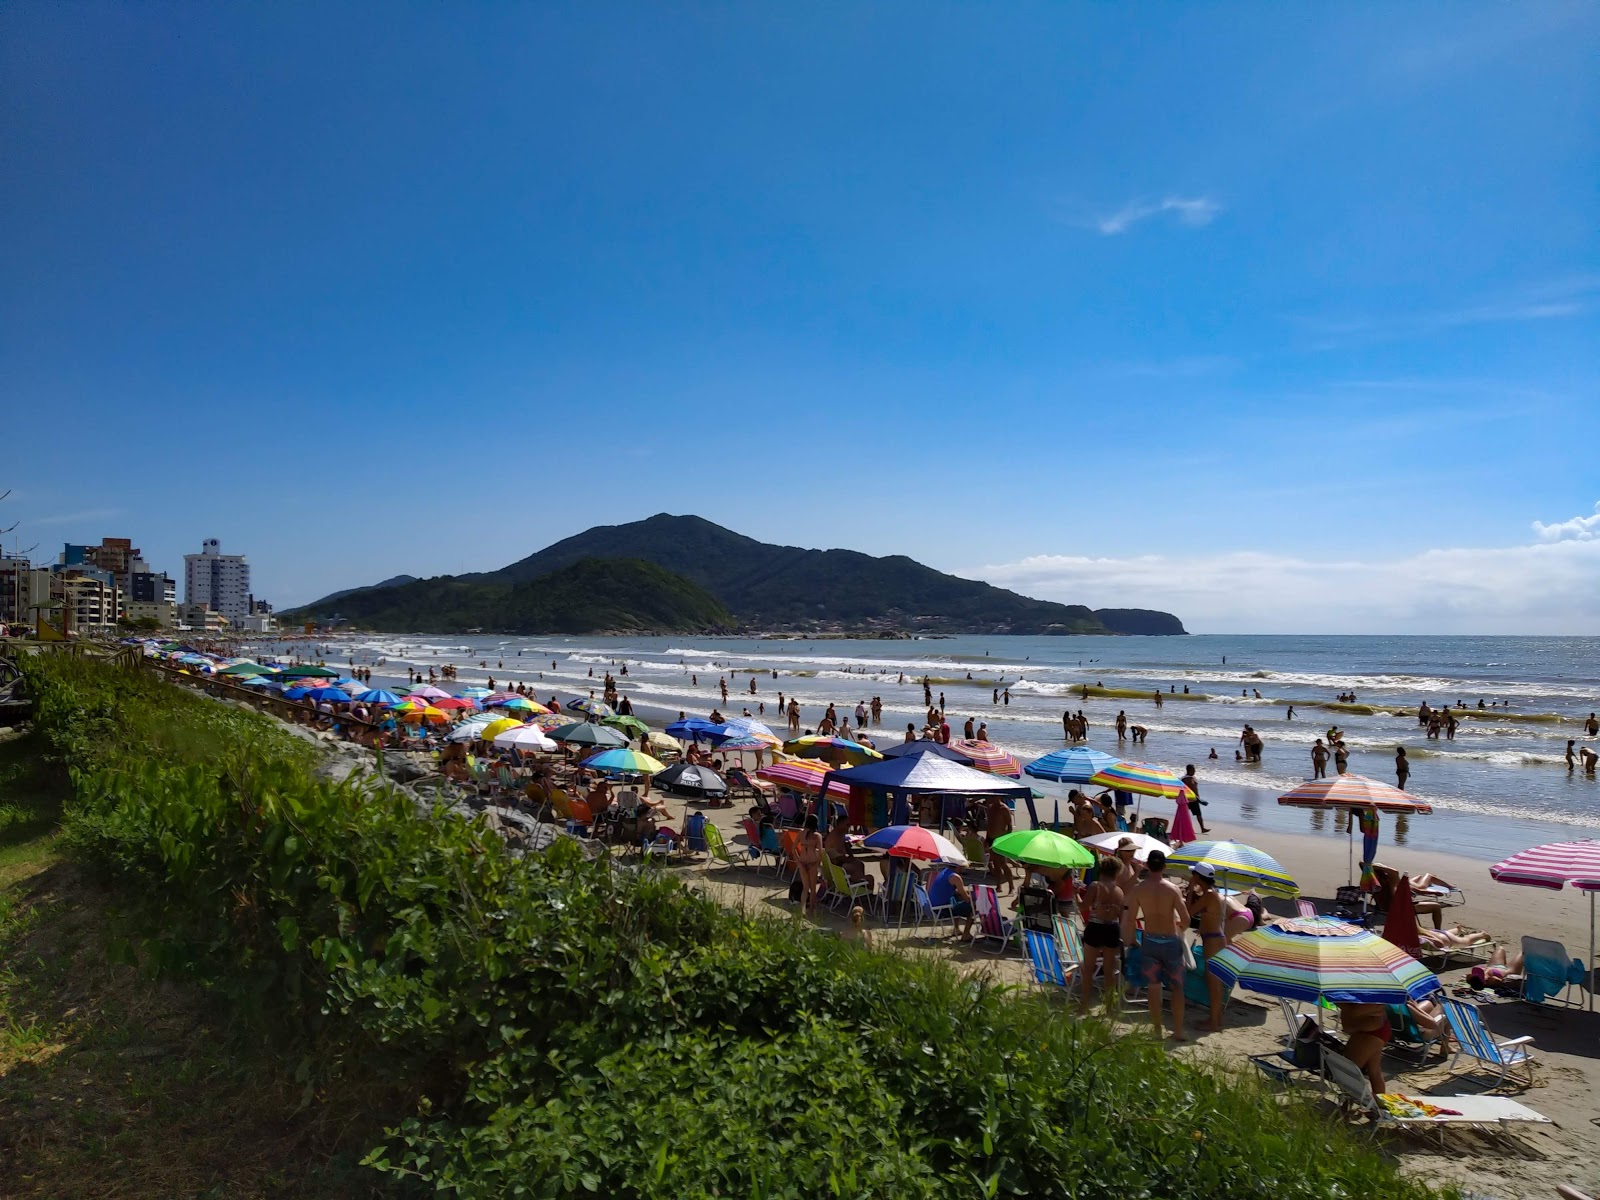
(1158,902)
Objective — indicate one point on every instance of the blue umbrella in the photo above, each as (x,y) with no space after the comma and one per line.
(297,693)
(331,694)
(378,696)
(1076,765)
(259,681)
(695,728)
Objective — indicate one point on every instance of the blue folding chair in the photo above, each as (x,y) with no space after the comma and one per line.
(1045,959)
(1511,1059)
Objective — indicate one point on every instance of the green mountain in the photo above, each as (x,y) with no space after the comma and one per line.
(776,587)
(589,595)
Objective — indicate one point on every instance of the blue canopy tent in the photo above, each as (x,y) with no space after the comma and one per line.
(921,775)
(927,746)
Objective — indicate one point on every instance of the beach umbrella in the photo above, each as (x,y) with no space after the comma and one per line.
(495,728)
(927,746)
(830,749)
(297,693)
(1076,765)
(586,733)
(691,778)
(988,758)
(745,733)
(476,693)
(1361,795)
(591,707)
(456,703)
(553,720)
(620,758)
(660,741)
(631,726)
(246,668)
(430,714)
(525,738)
(520,704)
(1322,959)
(913,841)
(1043,848)
(377,696)
(1107,843)
(1554,866)
(258,681)
(1238,862)
(801,775)
(332,695)
(429,692)
(308,673)
(692,729)
(1144,778)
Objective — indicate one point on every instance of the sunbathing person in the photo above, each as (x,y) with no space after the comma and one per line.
(1457,937)
(1499,972)
(1389,881)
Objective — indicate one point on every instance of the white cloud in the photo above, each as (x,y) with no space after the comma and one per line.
(1553,300)
(1546,587)
(1579,529)
(1190,210)
(75,518)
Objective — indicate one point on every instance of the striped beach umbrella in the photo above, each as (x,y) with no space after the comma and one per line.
(520,704)
(476,693)
(1238,863)
(831,749)
(1353,791)
(1144,778)
(1322,959)
(988,757)
(914,841)
(1555,865)
(630,761)
(802,775)
(1079,764)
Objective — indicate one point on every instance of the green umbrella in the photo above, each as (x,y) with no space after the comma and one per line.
(631,726)
(309,673)
(247,669)
(1043,848)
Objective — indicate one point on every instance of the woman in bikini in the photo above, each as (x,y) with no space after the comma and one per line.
(1102,927)
(809,855)
(1211,914)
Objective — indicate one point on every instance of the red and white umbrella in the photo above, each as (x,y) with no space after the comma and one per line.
(802,775)
(1554,866)
(1353,791)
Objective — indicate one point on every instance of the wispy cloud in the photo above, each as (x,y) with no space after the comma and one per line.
(73,518)
(1194,211)
(1550,301)
(1547,586)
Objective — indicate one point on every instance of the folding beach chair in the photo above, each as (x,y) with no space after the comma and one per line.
(1305,909)
(1406,1034)
(992,926)
(977,853)
(1492,1112)
(788,810)
(1069,941)
(1549,974)
(718,849)
(1511,1059)
(898,891)
(694,833)
(841,892)
(1045,960)
(925,909)
(789,849)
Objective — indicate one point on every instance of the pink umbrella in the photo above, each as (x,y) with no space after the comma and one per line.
(1554,866)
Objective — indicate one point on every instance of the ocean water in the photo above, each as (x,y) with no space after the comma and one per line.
(1500,785)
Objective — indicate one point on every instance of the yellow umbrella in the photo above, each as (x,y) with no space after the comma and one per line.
(495,728)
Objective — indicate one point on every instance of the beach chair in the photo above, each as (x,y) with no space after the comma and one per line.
(1549,974)
(788,810)
(972,845)
(1511,1059)
(1305,909)
(841,892)
(772,847)
(1408,1112)
(1350,904)
(924,909)
(1406,1034)
(992,926)
(897,893)
(579,818)
(694,833)
(1283,1066)
(1069,941)
(1044,959)
(721,856)
(1155,827)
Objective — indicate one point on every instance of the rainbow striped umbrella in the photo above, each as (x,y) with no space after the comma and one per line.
(1144,778)
(802,775)
(986,756)
(521,704)
(1238,863)
(1353,791)
(914,841)
(1322,959)
(624,760)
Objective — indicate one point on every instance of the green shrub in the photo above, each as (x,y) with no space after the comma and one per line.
(570,1029)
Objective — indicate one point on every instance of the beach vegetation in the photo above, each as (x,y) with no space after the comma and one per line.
(551,1026)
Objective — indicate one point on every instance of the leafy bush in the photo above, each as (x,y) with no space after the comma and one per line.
(570,1029)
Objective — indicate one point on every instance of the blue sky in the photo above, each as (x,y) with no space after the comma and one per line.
(1276,316)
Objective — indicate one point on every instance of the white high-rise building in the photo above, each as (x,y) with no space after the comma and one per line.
(220,582)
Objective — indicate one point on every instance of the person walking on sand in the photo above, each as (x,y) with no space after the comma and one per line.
(1159,904)
(1192,782)
(1402,768)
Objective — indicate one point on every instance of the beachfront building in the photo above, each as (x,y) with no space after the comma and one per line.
(198,616)
(24,591)
(151,587)
(162,612)
(86,599)
(217,581)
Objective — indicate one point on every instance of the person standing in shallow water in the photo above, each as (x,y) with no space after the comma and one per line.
(1402,768)
(1319,760)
